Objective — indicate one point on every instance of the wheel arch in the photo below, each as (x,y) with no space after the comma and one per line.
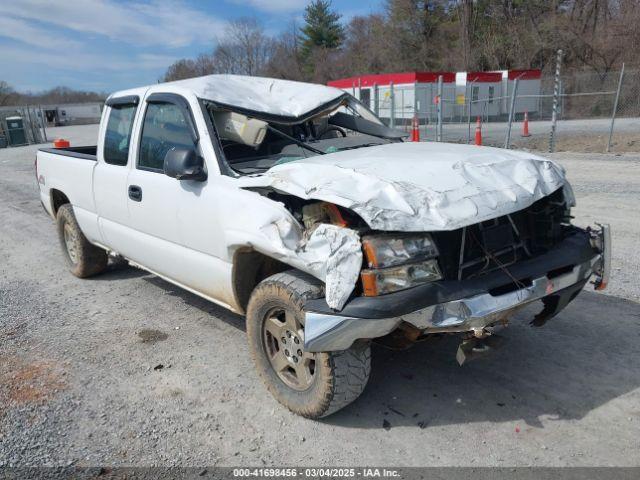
(58,198)
(250,267)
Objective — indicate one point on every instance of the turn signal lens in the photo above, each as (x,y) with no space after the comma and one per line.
(369,285)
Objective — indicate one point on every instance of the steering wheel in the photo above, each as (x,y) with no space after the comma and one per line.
(334,128)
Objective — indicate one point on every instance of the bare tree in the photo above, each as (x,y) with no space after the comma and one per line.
(244,50)
(7,93)
(285,60)
(438,35)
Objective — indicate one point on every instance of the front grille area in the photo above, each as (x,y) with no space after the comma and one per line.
(487,246)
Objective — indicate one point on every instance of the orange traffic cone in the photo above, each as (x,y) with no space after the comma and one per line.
(61,143)
(415,129)
(525,125)
(478,132)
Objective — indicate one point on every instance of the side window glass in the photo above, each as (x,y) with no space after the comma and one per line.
(164,128)
(118,134)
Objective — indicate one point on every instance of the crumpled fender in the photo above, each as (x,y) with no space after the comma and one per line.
(330,253)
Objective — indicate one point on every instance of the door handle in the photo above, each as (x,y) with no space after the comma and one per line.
(135,193)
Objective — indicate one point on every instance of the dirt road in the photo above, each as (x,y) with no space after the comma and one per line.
(125,369)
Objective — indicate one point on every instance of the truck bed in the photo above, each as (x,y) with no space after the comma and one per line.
(86,153)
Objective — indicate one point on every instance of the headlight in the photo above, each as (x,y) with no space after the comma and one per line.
(387,280)
(397,262)
(386,250)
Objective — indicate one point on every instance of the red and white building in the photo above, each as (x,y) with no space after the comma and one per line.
(412,92)
(417,92)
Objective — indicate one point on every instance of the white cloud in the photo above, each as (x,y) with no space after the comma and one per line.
(274,6)
(168,23)
(84,61)
(22,31)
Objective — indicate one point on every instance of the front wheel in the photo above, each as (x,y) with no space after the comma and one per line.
(310,384)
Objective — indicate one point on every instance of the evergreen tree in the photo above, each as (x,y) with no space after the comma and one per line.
(322,28)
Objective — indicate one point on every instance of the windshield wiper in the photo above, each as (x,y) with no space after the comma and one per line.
(295,140)
(362,145)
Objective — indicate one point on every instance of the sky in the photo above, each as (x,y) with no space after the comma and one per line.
(108,45)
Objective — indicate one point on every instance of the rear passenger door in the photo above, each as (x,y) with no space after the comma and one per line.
(112,170)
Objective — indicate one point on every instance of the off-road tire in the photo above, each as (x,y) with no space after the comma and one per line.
(339,377)
(89,260)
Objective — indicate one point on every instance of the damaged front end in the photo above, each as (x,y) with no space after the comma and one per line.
(471,306)
(411,240)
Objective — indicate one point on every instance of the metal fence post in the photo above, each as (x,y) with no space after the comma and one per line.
(28,119)
(44,128)
(376,100)
(507,141)
(439,110)
(392,98)
(415,102)
(615,108)
(468,93)
(556,95)
(402,108)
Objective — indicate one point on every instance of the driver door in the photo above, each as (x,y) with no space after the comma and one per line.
(161,208)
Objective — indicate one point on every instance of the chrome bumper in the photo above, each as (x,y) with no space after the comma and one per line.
(335,332)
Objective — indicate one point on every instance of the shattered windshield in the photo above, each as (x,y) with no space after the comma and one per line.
(252,145)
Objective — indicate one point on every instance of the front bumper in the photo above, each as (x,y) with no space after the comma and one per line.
(468,306)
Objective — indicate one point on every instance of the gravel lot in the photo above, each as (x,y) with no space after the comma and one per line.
(125,369)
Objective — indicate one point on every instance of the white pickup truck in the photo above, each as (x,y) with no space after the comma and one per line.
(295,205)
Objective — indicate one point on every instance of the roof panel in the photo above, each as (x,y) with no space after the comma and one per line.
(283,98)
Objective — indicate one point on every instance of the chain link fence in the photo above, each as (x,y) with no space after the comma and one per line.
(590,107)
(21,126)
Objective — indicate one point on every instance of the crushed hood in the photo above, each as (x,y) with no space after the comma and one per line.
(419,186)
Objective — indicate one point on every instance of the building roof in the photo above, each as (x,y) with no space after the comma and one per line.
(484,77)
(524,74)
(396,78)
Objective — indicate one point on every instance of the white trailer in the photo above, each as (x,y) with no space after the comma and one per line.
(529,86)
(73,113)
(407,93)
(482,93)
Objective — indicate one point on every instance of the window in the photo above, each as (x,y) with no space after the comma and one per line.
(365,97)
(118,134)
(165,127)
(475,93)
(491,93)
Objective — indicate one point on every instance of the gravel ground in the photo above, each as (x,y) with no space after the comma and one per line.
(126,369)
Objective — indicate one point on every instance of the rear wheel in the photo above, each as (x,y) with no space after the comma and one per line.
(83,258)
(311,384)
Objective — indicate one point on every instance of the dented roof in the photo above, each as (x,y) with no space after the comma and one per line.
(281,98)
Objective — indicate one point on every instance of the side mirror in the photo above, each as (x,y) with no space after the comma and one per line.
(184,164)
